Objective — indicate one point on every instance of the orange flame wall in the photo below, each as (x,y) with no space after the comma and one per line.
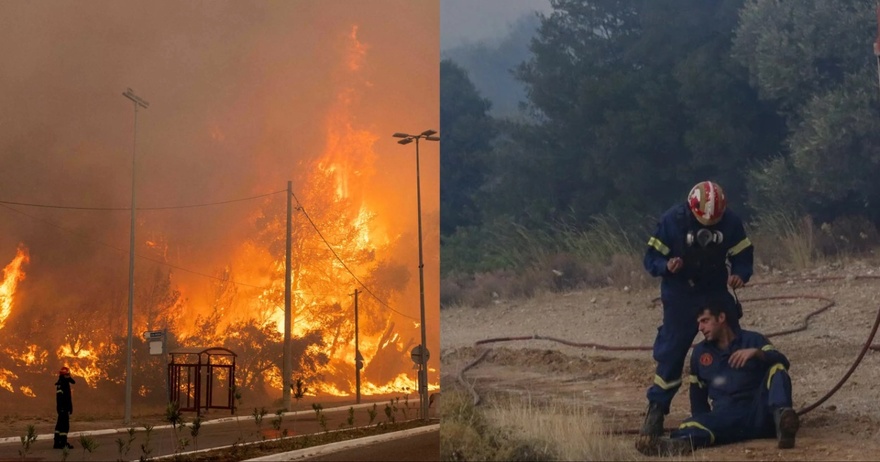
(242,99)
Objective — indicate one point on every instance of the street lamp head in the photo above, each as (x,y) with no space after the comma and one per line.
(405,141)
(428,132)
(432,138)
(400,135)
(129,93)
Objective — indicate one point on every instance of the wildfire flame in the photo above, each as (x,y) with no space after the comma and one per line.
(31,356)
(5,376)
(83,362)
(27,391)
(342,173)
(12,274)
(335,195)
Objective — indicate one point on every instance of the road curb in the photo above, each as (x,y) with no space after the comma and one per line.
(343,445)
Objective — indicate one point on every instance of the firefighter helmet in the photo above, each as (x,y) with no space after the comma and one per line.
(64,371)
(707,202)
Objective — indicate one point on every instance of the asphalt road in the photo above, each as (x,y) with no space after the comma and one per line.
(418,445)
(422,448)
(213,434)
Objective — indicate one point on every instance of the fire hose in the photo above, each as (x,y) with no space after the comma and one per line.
(803,326)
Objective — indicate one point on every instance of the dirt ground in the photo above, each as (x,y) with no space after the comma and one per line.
(845,427)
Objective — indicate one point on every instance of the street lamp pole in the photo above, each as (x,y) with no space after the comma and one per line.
(423,348)
(138,102)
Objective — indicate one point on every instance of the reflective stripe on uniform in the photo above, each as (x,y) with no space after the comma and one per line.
(768,347)
(743,244)
(59,391)
(664,384)
(695,380)
(658,246)
(701,427)
(776,367)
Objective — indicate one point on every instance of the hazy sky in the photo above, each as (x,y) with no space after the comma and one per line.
(243,96)
(463,21)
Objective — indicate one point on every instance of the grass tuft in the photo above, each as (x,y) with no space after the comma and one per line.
(571,431)
(517,429)
(783,240)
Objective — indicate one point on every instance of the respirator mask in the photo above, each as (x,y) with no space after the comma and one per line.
(704,237)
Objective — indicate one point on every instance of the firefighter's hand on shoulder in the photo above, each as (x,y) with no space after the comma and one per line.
(674,264)
(735,282)
(740,357)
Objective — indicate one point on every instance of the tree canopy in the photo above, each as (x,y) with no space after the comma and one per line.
(813,61)
(630,103)
(467,133)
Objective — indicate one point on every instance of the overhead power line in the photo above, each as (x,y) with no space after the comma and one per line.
(301,208)
(68,207)
(5,204)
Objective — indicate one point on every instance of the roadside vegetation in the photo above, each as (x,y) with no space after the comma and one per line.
(397,414)
(293,443)
(508,262)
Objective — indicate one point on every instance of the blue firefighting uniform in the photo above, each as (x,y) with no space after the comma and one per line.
(702,280)
(743,400)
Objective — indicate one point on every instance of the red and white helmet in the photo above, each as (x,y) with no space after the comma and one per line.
(707,202)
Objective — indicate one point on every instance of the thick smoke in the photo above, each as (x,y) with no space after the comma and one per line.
(239,98)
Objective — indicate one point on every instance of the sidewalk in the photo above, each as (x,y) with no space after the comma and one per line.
(112,443)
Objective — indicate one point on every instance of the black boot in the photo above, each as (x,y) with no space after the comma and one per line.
(653,425)
(652,430)
(787,424)
(57,443)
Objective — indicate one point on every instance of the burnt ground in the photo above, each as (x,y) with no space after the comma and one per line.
(613,383)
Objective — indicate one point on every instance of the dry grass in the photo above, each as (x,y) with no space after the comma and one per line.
(784,241)
(467,435)
(516,428)
(572,432)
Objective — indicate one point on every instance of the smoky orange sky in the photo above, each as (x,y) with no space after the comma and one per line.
(240,95)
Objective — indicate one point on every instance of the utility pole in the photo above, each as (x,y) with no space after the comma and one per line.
(358,359)
(138,102)
(287,367)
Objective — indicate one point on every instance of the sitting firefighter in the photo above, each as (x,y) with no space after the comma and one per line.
(690,251)
(747,381)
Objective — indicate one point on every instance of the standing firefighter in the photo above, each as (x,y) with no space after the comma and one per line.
(64,406)
(690,251)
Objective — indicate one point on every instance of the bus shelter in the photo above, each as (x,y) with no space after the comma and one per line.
(202,378)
